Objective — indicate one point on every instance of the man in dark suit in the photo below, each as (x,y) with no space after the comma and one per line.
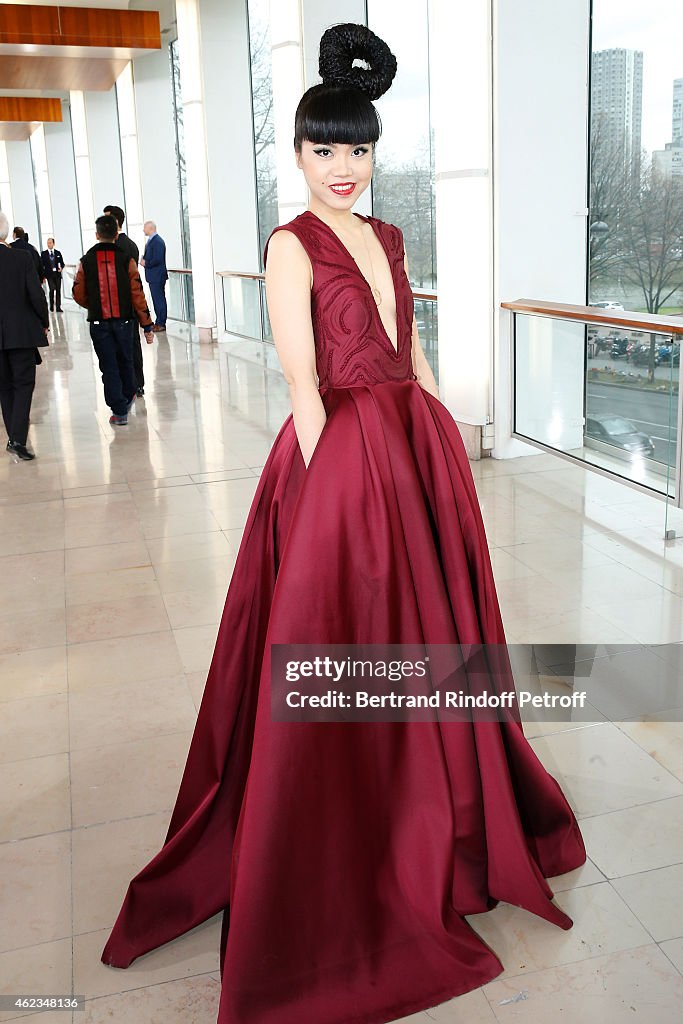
(21,242)
(133,253)
(24,323)
(53,265)
(156,274)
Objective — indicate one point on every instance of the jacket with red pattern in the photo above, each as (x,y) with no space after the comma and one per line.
(108,285)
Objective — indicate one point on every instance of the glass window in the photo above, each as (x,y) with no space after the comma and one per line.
(636,149)
(180,153)
(403,181)
(262,109)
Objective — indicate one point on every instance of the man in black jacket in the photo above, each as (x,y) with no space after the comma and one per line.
(53,265)
(108,285)
(131,250)
(21,242)
(24,323)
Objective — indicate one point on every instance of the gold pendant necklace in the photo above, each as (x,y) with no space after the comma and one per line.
(376,293)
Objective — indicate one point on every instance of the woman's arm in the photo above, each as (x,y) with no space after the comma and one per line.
(421,367)
(288,293)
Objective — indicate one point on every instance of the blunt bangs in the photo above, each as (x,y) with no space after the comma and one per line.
(331,113)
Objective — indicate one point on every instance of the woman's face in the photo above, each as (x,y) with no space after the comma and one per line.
(336,173)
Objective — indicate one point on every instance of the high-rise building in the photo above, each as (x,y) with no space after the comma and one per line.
(677,117)
(617,103)
(669,161)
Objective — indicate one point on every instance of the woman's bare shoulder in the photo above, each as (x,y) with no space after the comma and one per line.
(288,253)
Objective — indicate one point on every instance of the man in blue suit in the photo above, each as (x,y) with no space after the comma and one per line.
(156,275)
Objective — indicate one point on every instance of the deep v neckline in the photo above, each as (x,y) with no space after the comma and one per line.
(394,348)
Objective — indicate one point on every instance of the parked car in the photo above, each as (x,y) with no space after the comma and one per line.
(620,432)
(606,304)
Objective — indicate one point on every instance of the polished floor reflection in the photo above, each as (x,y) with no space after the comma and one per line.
(116,549)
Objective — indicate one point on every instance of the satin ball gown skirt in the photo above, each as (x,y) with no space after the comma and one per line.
(344,856)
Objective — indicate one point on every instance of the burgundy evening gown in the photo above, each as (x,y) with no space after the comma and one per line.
(345,855)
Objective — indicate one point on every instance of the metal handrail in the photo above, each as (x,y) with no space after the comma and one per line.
(417,293)
(626,319)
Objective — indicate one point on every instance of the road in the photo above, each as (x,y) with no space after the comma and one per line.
(648,410)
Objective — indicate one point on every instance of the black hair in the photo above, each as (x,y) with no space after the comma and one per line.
(118,213)
(340,108)
(106,227)
(19,232)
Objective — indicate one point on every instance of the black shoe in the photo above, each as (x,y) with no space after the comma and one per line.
(140,392)
(21,450)
(52,309)
(59,309)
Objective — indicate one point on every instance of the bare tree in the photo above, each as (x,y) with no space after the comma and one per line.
(611,183)
(404,195)
(651,242)
(264,131)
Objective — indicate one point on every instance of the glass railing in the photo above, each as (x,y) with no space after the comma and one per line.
(245,313)
(180,296)
(600,387)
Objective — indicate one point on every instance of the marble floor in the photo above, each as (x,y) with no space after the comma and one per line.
(116,549)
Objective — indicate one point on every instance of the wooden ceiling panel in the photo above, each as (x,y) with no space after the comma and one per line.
(29,108)
(32,25)
(96,74)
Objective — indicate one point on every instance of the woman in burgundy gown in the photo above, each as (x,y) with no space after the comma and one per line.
(344,855)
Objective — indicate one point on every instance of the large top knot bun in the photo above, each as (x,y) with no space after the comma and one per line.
(340,45)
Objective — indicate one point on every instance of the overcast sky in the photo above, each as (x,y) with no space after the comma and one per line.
(656,28)
(653,26)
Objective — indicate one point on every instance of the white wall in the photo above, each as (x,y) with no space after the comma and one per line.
(156,147)
(541,58)
(105,149)
(63,193)
(23,189)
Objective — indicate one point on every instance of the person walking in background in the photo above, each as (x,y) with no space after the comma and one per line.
(131,250)
(53,265)
(108,285)
(24,323)
(21,242)
(156,274)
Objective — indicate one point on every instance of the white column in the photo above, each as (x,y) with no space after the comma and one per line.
(190,50)
(23,189)
(460,57)
(5,186)
(288,86)
(130,157)
(156,148)
(541,60)
(79,131)
(42,182)
(66,219)
(105,151)
(226,68)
